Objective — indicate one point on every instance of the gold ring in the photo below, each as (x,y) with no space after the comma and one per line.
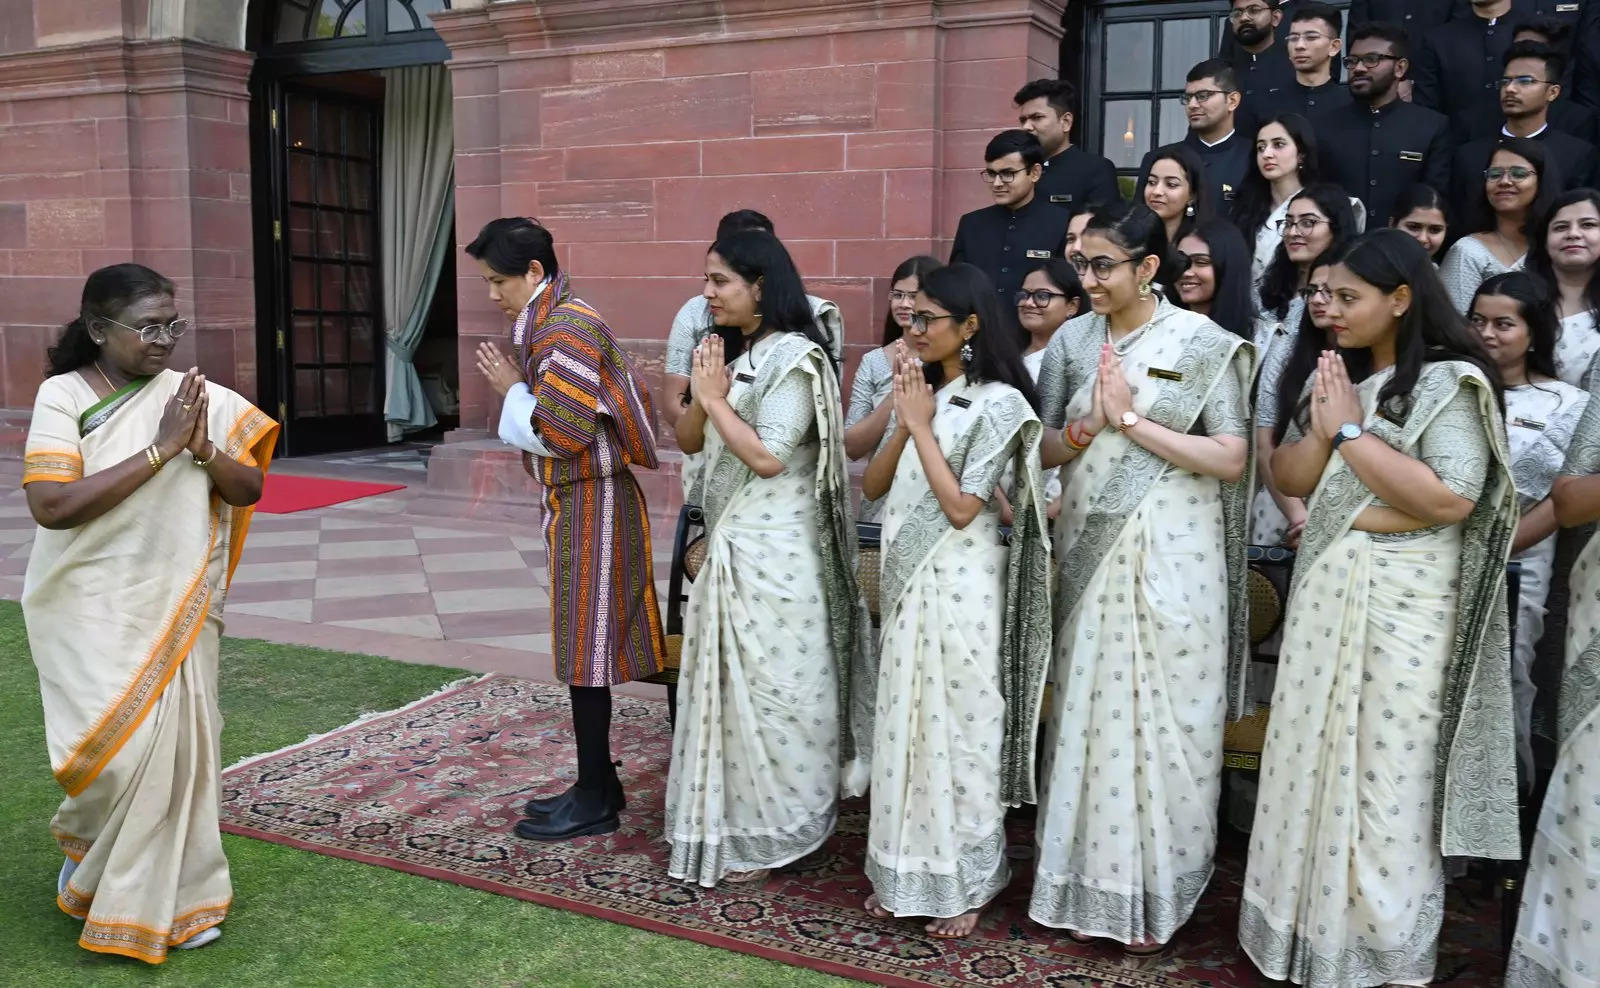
(188,406)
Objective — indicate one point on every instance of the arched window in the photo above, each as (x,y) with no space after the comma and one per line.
(302,21)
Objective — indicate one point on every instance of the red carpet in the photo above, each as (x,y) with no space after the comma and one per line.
(285,494)
(434,790)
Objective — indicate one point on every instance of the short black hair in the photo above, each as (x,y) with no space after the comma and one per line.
(1217,71)
(1015,142)
(1555,62)
(1556,33)
(1059,93)
(1388,31)
(1314,11)
(744,219)
(509,244)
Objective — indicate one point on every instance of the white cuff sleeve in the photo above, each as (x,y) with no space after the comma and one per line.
(516,422)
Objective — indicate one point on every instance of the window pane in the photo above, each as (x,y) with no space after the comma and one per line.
(1184,44)
(1129,49)
(307,395)
(327,20)
(301,224)
(363,396)
(355,20)
(291,21)
(361,340)
(1174,122)
(1127,132)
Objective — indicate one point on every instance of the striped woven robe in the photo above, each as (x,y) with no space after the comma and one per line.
(591,412)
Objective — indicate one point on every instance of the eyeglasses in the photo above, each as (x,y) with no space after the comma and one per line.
(1101,266)
(1304,224)
(173,330)
(1198,96)
(1516,173)
(920,321)
(1039,297)
(1371,60)
(1005,175)
(1253,11)
(1314,291)
(1309,37)
(1520,81)
(1187,261)
(900,298)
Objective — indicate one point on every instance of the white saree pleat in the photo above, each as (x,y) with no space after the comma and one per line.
(754,779)
(1345,887)
(1133,750)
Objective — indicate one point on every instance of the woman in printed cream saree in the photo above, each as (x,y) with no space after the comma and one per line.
(1152,404)
(141,480)
(1392,740)
(966,636)
(774,620)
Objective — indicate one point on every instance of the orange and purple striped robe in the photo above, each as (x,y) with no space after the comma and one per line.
(591,411)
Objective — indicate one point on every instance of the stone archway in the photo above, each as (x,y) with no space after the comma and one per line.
(217,22)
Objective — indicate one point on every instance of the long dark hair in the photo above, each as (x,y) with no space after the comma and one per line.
(1282,278)
(1065,277)
(1309,342)
(1480,215)
(1431,330)
(964,291)
(756,255)
(106,294)
(912,267)
(1254,203)
(1231,305)
(1139,231)
(1539,262)
(1537,308)
(1194,171)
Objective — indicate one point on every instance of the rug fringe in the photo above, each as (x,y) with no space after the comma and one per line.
(369,715)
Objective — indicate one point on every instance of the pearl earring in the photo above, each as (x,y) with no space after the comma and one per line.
(1188,210)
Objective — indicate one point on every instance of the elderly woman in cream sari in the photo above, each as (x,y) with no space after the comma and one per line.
(775,619)
(141,480)
(1391,740)
(1557,942)
(1149,607)
(966,625)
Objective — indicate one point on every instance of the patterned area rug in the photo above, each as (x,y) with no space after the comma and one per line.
(434,790)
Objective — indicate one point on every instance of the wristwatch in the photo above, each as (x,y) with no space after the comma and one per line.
(1128,420)
(1347,432)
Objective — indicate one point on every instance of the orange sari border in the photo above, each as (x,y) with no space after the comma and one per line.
(114,727)
(250,440)
(146,944)
(55,466)
(72,846)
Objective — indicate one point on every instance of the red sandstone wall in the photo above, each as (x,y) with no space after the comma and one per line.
(857,127)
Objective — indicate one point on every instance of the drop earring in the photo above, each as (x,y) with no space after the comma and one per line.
(966,355)
(1144,290)
(1189,210)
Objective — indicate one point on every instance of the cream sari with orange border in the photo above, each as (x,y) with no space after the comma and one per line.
(124,615)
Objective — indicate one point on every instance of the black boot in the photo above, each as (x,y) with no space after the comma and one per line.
(588,811)
(545,805)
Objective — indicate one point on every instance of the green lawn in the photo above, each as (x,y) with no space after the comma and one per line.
(300,918)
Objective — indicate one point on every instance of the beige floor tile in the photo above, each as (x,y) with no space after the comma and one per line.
(468,601)
(385,549)
(275,572)
(376,585)
(472,562)
(415,625)
(283,610)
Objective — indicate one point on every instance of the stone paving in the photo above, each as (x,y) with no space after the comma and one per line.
(379,577)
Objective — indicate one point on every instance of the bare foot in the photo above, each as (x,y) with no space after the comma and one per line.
(1145,948)
(748,877)
(955,927)
(875,908)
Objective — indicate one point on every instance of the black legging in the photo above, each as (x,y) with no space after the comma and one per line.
(591,726)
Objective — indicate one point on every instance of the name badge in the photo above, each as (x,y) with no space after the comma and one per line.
(1410,155)
(960,402)
(744,378)
(1533,424)
(1164,375)
(1227,193)
(1039,255)
(1566,8)
(1065,198)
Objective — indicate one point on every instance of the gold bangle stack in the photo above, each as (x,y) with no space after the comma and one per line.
(208,460)
(153,454)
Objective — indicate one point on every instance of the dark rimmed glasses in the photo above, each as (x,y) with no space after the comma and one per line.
(1040,297)
(1102,266)
(1371,59)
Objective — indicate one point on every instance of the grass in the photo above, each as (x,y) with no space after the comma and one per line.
(302,919)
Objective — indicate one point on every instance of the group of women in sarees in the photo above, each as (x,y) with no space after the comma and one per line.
(1394,734)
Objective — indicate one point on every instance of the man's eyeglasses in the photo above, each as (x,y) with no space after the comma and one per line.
(1102,266)
(1371,60)
(1309,37)
(153,332)
(1521,81)
(1516,173)
(1040,298)
(1253,11)
(899,298)
(1314,291)
(1304,224)
(1005,175)
(1198,96)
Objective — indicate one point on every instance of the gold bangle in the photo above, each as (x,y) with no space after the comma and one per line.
(208,460)
(154,456)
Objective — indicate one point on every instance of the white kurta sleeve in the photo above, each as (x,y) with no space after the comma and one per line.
(516,422)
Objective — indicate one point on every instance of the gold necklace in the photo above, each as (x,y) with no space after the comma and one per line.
(103,377)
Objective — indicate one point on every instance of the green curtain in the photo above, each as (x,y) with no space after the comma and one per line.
(418,183)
